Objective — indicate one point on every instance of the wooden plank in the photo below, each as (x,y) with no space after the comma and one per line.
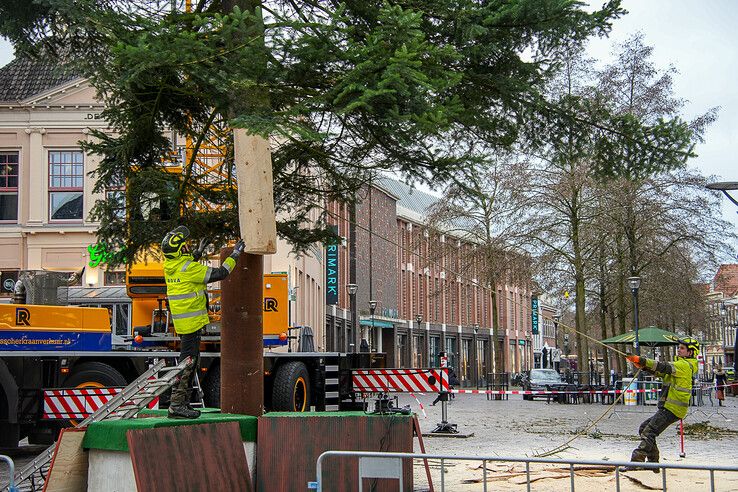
(419,434)
(256,219)
(68,470)
(189,457)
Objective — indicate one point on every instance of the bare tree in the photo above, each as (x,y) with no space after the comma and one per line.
(487,207)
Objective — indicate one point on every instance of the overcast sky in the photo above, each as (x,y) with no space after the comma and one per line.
(700,39)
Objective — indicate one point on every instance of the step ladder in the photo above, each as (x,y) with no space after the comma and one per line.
(125,405)
(197,389)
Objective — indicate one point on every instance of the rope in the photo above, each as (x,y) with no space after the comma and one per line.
(562,447)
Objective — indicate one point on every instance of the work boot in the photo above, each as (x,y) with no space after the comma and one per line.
(182,412)
(639,457)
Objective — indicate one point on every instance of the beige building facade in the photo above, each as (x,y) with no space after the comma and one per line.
(46,191)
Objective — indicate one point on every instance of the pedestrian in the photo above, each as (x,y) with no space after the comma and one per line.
(453,380)
(676,391)
(188,302)
(721,380)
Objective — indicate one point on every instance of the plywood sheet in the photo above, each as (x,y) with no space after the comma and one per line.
(189,457)
(68,471)
(291,467)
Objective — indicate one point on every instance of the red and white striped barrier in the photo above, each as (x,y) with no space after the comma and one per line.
(400,380)
(552,392)
(78,403)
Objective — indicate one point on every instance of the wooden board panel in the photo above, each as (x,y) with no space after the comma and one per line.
(189,457)
(291,467)
(68,471)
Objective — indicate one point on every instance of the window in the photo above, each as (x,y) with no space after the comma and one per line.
(8,186)
(115,277)
(66,172)
(115,194)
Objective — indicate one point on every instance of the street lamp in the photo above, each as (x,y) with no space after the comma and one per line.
(556,318)
(372,308)
(351,289)
(413,346)
(635,283)
(725,187)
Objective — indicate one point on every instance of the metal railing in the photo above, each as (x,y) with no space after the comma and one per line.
(11,466)
(616,465)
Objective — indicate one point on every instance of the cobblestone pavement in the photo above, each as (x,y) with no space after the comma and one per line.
(518,428)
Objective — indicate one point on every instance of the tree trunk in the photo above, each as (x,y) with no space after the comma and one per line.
(618,359)
(603,330)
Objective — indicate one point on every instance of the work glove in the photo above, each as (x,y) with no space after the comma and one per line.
(638,361)
(200,249)
(238,249)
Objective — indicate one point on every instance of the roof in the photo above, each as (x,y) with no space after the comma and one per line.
(409,199)
(415,205)
(726,280)
(23,78)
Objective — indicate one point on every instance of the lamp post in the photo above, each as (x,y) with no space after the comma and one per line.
(413,347)
(635,283)
(372,307)
(556,318)
(475,327)
(351,289)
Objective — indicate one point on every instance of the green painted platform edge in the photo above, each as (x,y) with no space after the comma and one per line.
(329,414)
(111,434)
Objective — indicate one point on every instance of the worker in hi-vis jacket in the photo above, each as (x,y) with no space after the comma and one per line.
(186,293)
(675,394)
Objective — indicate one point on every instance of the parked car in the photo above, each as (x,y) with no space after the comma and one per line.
(543,380)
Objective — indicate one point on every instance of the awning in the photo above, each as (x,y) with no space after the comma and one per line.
(377,323)
(649,337)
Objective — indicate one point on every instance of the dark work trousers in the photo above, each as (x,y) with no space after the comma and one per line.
(649,430)
(189,346)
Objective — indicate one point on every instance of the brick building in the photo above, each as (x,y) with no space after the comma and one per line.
(722,301)
(429,296)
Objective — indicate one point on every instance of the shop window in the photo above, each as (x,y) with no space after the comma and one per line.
(66,181)
(9,187)
(115,278)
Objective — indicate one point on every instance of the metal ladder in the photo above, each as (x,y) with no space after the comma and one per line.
(125,405)
(197,388)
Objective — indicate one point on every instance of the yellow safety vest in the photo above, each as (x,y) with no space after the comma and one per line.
(677,387)
(186,285)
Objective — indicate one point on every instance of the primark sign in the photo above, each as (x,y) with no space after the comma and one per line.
(331,274)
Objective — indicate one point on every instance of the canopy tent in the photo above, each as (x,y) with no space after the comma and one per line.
(647,337)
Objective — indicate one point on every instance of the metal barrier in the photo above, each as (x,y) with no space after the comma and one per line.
(11,465)
(616,465)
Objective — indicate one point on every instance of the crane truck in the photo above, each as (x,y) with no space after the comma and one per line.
(45,345)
